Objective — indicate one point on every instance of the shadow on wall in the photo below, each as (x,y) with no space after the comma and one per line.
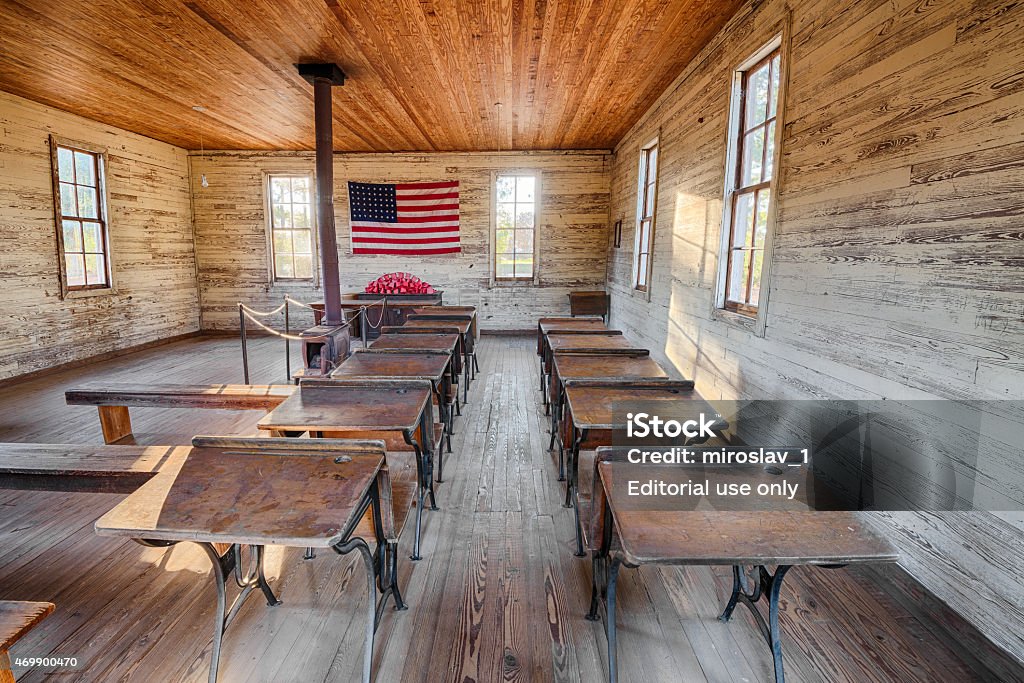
(692,258)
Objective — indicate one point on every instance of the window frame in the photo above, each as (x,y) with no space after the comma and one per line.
(99,153)
(268,207)
(537,204)
(743,314)
(645,184)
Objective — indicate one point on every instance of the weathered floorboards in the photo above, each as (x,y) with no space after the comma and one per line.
(498,595)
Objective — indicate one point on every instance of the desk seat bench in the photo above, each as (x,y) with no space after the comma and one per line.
(114,400)
(17,618)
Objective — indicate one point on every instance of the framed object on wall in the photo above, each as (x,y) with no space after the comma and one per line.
(617,234)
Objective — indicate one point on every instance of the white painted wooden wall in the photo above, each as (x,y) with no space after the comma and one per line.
(898,256)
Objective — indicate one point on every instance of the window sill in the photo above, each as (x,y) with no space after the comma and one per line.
(532,282)
(285,281)
(745,322)
(644,294)
(87,293)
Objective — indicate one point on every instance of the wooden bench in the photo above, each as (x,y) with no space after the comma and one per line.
(113,400)
(82,468)
(16,619)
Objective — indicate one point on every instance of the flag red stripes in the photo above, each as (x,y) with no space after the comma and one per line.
(405,219)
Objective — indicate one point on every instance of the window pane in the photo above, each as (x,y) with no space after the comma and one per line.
(87,202)
(652,164)
(75,266)
(753,154)
(755,287)
(644,243)
(300,216)
(641,271)
(282,216)
(282,242)
(302,242)
(773,98)
(504,242)
(72,236)
(743,220)
(92,237)
(506,188)
(283,265)
(769,154)
(649,205)
(524,265)
(503,266)
(757,97)
(303,265)
(505,216)
(761,219)
(84,169)
(279,190)
(524,242)
(65,165)
(300,190)
(68,203)
(524,217)
(95,269)
(738,276)
(524,188)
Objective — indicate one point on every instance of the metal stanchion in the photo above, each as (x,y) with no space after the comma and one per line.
(245,349)
(287,343)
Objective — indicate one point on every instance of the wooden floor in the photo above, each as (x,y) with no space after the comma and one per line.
(497,597)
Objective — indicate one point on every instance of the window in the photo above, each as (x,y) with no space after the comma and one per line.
(291,226)
(515,227)
(81,211)
(749,187)
(647,190)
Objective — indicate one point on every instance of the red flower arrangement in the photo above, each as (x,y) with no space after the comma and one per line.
(399,283)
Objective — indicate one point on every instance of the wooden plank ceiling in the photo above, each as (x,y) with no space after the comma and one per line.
(424,74)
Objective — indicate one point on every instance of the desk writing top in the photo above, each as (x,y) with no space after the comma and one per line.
(588,341)
(350,304)
(594,407)
(444,309)
(429,366)
(462,325)
(339,408)
(719,537)
(585,324)
(426,342)
(570,366)
(435,313)
(259,497)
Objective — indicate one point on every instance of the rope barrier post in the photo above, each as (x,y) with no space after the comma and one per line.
(245,350)
(287,343)
(362,326)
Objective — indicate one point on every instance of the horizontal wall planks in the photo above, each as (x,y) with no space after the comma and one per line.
(232,248)
(150,235)
(898,248)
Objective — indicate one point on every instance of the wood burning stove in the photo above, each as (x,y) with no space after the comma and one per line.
(323,348)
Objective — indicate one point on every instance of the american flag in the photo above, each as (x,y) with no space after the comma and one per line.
(404,219)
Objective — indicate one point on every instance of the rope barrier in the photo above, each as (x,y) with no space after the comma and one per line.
(274,332)
(383,306)
(298,303)
(251,314)
(262,314)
